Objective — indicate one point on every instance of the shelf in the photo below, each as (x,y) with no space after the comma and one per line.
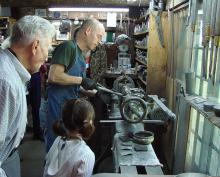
(142,62)
(144,82)
(138,47)
(141,33)
(142,18)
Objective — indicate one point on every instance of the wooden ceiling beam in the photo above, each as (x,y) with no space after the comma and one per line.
(48,3)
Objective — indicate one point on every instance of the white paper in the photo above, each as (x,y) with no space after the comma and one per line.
(111,19)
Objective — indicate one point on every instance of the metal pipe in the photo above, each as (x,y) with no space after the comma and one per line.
(108,91)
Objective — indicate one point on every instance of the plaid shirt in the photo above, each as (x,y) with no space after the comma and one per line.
(98,64)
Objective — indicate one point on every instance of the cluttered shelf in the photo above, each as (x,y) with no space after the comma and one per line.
(115,74)
(142,18)
(140,47)
(206,108)
(141,33)
(140,61)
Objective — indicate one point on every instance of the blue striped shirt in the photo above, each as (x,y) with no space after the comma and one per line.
(13,106)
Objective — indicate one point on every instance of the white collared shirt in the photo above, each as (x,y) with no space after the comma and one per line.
(69,158)
(13,105)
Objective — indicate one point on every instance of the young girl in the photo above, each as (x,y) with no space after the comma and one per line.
(69,155)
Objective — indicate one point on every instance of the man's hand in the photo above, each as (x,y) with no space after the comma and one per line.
(88,84)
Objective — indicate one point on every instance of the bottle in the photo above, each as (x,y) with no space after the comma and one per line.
(151,5)
(161,5)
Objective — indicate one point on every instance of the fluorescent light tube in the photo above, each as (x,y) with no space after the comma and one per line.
(88,9)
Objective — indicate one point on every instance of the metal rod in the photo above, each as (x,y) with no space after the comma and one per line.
(147,121)
(162,106)
(108,90)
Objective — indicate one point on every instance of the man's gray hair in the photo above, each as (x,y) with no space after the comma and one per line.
(90,22)
(26,29)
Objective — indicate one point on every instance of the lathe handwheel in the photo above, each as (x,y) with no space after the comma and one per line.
(133,109)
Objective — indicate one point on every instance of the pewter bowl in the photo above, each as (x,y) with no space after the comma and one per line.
(143,137)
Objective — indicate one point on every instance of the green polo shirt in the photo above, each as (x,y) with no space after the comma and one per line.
(64,54)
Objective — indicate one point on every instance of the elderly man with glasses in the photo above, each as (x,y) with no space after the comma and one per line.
(23,54)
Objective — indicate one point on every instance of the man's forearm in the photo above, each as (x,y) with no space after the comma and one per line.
(65,79)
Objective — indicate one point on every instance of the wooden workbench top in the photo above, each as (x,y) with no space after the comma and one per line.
(128,175)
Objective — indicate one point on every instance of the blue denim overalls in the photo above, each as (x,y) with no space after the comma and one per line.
(58,94)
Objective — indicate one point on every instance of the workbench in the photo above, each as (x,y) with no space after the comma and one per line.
(127,159)
(128,175)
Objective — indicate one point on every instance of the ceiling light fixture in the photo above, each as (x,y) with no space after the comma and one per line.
(88,9)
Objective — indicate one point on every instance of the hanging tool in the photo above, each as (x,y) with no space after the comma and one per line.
(215,60)
(203,38)
(212,36)
(189,12)
(170,45)
(217,40)
(193,13)
(206,35)
(157,16)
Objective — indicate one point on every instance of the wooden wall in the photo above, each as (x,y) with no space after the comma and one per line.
(157,57)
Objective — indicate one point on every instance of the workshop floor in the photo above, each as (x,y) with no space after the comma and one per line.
(32,153)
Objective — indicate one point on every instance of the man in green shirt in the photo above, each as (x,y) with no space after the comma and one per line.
(68,70)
